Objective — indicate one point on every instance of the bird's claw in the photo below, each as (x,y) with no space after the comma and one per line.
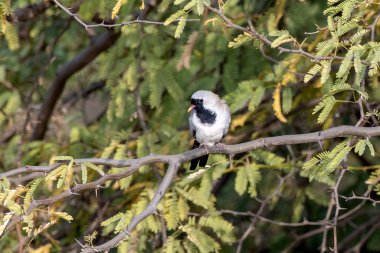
(202,145)
(220,146)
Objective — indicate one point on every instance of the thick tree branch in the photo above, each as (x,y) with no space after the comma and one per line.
(341,131)
(100,44)
(174,162)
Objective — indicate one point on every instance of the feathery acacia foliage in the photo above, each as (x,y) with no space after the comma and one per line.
(281,72)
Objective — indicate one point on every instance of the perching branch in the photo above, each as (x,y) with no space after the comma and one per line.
(174,162)
(341,131)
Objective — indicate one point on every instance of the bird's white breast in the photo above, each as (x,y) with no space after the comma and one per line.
(210,134)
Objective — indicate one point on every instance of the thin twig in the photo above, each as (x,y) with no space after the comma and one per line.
(268,42)
(261,209)
(126,23)
(279,223)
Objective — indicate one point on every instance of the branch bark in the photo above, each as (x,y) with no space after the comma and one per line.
(174,162)
(341,131)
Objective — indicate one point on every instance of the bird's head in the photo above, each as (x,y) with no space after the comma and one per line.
(203,99)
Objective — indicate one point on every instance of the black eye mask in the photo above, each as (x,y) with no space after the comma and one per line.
(197,102)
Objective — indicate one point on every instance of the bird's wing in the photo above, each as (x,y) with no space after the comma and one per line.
(228,117)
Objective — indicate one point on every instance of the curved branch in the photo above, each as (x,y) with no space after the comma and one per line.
(331,133)
(150,209)
(174,162)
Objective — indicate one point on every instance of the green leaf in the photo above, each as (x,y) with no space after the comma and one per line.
(94,167)
(324,48)
(360,147)
(348,7)
(200,7)
(346,64)
(254,177)
(202,241)
(240,40)
(346,87)
(310,163)
(112,219)
(190,5)
(222,228)
(267,157)
(330,24)
(63,215)
(286,100)
(62,177)
(370,146)
(178,2)
(244,92)
(257,98)
(174,17)
(285,38)
(180,26)
(331,166)
(357,37)
(196,196)
(56,172)
(29,194)
(84,173)
(312,72)
(156,89)
(241,180)
(326,68)
(326,105)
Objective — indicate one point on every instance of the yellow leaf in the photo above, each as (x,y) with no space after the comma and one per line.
(210,20)
(239,120)
(43,249)
(3,26)
(279,8)
(287,78)
(116,8)
(277,104)
(7,217)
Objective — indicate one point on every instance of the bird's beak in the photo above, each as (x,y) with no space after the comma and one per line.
(190,108)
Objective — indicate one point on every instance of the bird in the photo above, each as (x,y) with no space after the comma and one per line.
(209,122)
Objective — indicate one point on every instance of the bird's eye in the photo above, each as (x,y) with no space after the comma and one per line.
(200,101)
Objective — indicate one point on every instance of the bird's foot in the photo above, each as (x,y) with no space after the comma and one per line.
(205,146)
(220,146)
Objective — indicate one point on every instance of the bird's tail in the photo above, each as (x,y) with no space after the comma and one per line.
(201,160)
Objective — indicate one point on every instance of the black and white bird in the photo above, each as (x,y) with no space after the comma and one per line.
(209,121)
